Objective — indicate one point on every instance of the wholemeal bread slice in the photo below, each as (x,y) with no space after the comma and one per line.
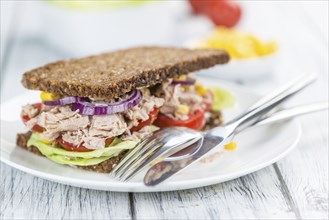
(113,74)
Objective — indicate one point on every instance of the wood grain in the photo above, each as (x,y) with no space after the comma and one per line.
(254,196)
(25,197)
(305,170)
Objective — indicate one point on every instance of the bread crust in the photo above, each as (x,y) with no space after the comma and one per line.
(113,74)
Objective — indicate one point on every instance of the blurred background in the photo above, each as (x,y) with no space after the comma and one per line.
(269,41)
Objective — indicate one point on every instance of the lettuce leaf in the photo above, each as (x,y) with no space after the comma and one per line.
(222,99)
(62,156)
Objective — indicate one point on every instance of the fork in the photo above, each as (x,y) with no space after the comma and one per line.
(161,144)
(164,143)
(281,115)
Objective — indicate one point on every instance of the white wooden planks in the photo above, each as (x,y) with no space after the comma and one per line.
(254,196)
(305,170)
(294,188)
(25,197)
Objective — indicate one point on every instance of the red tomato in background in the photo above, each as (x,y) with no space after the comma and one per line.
(199,6)
(195,121)
(221,12)
(226,13)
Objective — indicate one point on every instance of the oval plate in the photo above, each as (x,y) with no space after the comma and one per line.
(257,148)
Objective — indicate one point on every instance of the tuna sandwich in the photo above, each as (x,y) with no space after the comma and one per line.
(95,109)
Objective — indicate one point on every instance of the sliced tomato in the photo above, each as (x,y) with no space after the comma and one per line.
(108,141)
(25,118)
(195,121)
(38,105)
(38,128)
(70,147)
(152,116)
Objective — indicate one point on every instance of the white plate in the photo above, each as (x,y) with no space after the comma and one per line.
(257,148)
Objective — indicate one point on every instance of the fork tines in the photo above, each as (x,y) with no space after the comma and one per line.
(135,158)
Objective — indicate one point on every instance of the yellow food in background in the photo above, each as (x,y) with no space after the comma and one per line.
(238,44)
(231,146)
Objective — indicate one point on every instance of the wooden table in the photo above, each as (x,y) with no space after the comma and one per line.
(296,187)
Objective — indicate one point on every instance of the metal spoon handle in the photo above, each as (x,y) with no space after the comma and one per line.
(293,112)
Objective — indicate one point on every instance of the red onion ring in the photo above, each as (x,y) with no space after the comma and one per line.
(87,108)
(65,101)
(188,81)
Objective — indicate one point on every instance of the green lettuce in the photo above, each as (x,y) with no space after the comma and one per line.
(62,156)
(222,99)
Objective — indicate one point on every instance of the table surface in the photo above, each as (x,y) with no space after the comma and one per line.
(296,187)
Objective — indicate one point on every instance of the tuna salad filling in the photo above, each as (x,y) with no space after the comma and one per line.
(85,131)
(181,101)
(92,131)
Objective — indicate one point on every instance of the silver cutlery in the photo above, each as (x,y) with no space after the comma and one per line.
(292,112)
(164,142)
(278,116)
(161,144)
(167,168)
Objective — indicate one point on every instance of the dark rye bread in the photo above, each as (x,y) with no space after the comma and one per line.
(113,74)
(215,119)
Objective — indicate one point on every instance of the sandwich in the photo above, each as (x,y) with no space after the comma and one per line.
(95,109)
